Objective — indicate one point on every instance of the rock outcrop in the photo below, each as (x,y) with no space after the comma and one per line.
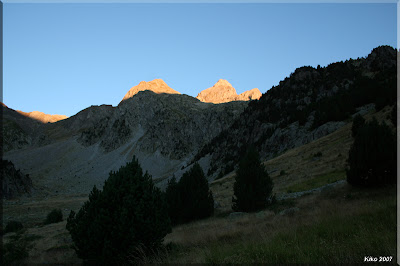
(14,183)
(156,86)
(253,94)
(223,92)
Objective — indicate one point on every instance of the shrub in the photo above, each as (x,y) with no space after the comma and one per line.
(129,213)
(55,216)
(190,199)
(13,226)
(372,158)
(318,154)
(252,185)
(14,251)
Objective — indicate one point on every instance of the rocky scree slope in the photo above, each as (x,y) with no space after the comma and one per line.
(309,104)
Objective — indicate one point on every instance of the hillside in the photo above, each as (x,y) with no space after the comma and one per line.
(306,106)
(335,215)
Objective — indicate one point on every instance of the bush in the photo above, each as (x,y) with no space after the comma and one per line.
(13,226)
(55,216)
(372,158)
(129,213)
(252,186)
(190,199)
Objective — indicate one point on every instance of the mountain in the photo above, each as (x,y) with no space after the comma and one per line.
(164,131)
(168,132)
(42,117)
(309,104)
(222,92)
(156,86)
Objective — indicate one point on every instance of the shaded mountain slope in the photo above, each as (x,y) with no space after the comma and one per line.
(309,104)
(164,131)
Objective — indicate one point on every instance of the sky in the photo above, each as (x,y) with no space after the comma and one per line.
(63,58)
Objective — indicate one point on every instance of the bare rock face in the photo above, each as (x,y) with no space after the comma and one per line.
(253,94)
(14,183)
(223,92)
(42,117)
(157,86)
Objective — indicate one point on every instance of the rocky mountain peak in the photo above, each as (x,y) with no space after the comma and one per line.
(222,92)
(157,86)
(253,94)
(222,83)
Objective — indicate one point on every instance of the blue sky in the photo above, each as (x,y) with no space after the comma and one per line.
(62,58)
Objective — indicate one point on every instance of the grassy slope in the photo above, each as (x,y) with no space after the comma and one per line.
(338,225)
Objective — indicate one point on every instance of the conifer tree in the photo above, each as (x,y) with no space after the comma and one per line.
(174,201)
(252,184)
(358,122)
(196,197)
(129,212)
(372,157)
(191,198)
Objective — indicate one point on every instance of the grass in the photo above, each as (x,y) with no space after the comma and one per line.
(316,182)
(281,205)
(334,239)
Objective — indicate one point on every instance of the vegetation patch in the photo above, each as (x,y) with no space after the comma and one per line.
(316,182)
(333,240)
(55,216)
(17,249)
(13,226)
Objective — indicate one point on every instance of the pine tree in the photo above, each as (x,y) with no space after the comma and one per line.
(129,212)
(196,197)
(252,184)
(358,122)
(191,198)
(372,157)
(174,201)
